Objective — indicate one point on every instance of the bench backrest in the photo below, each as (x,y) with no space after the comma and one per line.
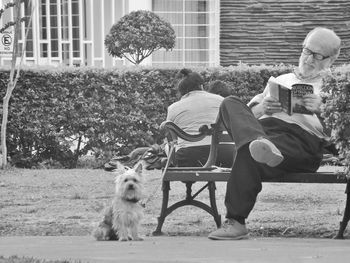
(217,132)
(208,172)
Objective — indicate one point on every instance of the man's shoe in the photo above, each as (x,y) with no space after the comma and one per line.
(230,230)
(264,151)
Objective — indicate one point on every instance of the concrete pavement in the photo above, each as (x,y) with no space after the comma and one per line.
(177,249)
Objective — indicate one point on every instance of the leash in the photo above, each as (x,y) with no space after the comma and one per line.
(153,193)
(156,188)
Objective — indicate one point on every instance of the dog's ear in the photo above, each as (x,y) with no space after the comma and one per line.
(120,168)
(138,168)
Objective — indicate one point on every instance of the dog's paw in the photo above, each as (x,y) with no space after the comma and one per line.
(138,239)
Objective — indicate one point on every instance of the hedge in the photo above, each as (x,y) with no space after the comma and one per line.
(111,110)
(337,112)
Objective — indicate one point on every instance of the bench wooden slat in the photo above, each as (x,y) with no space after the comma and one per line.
(188,175)
(319,177)
(196,176)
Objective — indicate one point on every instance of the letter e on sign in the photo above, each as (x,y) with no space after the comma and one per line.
(6,43)
(6,40)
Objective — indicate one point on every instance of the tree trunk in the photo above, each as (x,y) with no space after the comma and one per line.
(11,85)
(77,152)
(5,110)
(13,78)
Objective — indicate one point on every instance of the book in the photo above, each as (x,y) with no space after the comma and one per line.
(290,97)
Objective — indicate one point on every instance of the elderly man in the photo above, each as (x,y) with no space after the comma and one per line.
(271,142)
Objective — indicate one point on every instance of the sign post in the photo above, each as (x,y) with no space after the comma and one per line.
(6,43)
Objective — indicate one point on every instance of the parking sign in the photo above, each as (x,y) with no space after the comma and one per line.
(6,43)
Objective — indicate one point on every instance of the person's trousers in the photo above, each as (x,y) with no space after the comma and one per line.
(301,150)
(197,156)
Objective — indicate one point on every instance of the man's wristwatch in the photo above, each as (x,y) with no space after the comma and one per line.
(253,104)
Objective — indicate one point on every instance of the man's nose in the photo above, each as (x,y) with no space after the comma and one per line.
(310,58)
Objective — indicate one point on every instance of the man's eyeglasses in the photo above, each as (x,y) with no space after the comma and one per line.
(315,55)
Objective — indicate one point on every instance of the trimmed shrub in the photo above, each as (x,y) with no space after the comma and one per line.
(337,111)
(138,34)
(114,111)
(111,111)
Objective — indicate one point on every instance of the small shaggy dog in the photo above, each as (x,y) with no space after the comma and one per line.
(122,218)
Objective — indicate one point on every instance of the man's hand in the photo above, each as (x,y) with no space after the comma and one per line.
(271,105)
(312,102)
(162,125)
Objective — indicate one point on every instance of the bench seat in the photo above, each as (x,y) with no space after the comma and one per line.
(215,175)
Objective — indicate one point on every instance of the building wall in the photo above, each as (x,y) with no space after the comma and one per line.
(72,32)
(68,32)
(209,32)
(272,32)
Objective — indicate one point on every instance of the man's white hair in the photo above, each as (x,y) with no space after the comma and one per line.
(331,39)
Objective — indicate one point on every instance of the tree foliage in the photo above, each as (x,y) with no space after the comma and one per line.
(8,24)
(337,112)
(138,34)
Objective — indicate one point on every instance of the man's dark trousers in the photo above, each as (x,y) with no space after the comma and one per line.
(301,150)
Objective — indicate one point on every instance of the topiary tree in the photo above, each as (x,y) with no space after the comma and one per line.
(137,35)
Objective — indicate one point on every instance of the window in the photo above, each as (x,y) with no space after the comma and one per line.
(29,45)
(69,32)
(196,25)
(53,20)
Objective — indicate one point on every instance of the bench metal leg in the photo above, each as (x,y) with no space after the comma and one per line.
(217,217)
(346,216)
(189,200)
(163,212)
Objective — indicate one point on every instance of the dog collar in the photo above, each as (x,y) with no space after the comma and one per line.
(132,200)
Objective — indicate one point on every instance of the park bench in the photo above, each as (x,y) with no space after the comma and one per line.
(209,174)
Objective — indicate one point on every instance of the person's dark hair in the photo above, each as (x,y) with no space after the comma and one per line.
(219,87)
(190,81)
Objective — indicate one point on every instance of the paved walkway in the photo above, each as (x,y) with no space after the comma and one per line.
(178,249)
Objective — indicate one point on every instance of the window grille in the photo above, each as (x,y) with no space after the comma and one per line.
(196,25)
(72,32)
(67,32)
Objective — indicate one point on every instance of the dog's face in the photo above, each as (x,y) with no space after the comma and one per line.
(129,184)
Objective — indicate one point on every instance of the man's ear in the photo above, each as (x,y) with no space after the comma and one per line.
(332,59)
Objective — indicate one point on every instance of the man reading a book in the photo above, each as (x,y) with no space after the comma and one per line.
(270,141)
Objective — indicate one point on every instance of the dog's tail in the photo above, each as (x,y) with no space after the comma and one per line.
(104,232)
(99,234)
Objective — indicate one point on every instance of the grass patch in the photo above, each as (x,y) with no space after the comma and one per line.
(16,259)
(69,202)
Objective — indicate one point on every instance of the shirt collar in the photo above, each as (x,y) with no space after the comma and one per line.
(192,93)
(315,77)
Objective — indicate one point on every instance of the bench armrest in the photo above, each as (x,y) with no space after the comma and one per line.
(174,131)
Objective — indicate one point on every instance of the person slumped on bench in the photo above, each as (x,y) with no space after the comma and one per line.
(271,142)
(195,108)
(220,87)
